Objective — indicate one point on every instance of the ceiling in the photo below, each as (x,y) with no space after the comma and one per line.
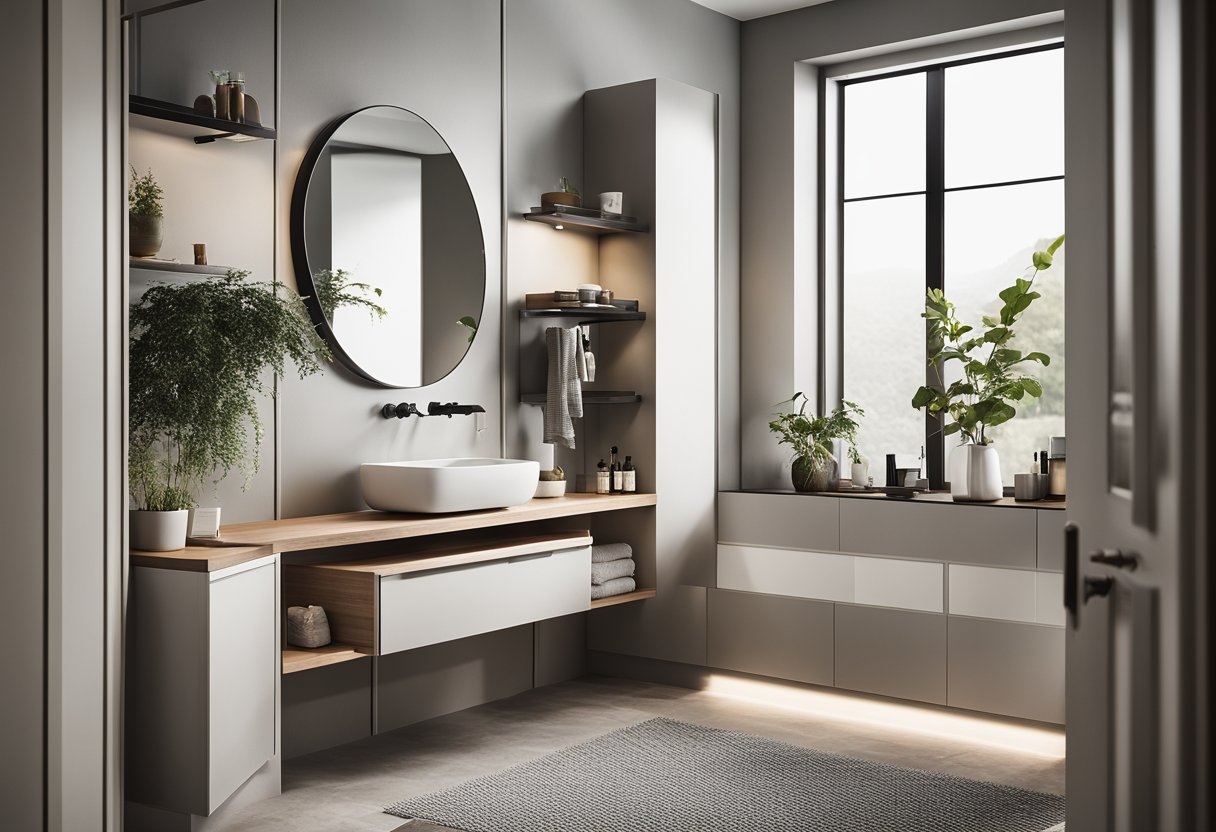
(748,9)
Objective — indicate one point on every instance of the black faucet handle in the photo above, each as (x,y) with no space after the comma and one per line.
(400,411)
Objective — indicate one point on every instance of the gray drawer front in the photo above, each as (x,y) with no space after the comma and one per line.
(790,521)
(1051,539)
(769,635)
(891,652)
(991,535)
(1007,668)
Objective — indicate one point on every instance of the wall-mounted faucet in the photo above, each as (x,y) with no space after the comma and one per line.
(452,408)
(400,411)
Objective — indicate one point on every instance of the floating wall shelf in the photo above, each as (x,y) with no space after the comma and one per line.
(174,119)
(584,316)
(152,264)
(585,220)
(590,397)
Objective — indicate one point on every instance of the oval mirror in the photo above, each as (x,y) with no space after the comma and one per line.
(387,247)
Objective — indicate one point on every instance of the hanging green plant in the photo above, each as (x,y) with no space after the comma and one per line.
(335,288)
(198,356)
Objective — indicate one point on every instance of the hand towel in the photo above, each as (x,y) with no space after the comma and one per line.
(617,586)
(604,552)
(602,573)
(564,397)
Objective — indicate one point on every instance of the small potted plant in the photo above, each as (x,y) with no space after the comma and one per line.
(811,437)
(859,468)
(991,385)
(145,210)
(566,194)
(198,355)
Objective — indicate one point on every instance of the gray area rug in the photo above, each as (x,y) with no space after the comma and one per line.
(668,776)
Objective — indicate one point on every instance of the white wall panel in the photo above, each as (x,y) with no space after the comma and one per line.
(1049,598)
(905,584)
(983,592)
(817,575)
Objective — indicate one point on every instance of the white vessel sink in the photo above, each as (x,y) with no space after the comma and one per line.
(439,486)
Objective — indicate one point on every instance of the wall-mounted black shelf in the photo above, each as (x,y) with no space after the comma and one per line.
(584,219)
(152,264)
(584,316)
(590,397)
(174,119)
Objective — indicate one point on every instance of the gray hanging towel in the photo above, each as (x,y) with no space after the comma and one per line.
(564,397)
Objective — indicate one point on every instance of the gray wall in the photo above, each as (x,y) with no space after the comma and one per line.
(778,196)
(23,439)
(556,51)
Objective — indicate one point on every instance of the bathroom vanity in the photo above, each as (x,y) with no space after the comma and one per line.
(206,655)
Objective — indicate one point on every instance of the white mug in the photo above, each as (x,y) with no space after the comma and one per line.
(611,202)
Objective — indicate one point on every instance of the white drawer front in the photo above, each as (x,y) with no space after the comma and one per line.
(904,584)
(431,607)
(982,592)
(815,575)
(1049,598)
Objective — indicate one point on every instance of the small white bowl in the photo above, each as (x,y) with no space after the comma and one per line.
(550,488)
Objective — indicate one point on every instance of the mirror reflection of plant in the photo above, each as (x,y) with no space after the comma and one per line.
(983,398)
(810,437)
(470,323)
(145,196)
(198,356)
(335,288)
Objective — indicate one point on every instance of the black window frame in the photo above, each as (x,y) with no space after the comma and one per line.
(934,192)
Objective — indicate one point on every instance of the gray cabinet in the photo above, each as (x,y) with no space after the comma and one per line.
(891,652)
(1003,667)
(202,683)
(769,635)
(790,521)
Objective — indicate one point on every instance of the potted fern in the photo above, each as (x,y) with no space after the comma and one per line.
(811,437)
(198,356)
(146,211)
(992,384)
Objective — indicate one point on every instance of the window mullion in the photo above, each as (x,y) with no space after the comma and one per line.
(935,248)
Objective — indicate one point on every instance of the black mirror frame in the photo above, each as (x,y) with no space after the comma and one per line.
(299,250)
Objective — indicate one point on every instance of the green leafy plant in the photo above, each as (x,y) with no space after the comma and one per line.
(854,455)
(986,394)
(810,436)
(566,186)
(145,196)
(469,323)
(335,288)
(198,356)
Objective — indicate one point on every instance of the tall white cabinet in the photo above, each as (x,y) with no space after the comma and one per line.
(656,141)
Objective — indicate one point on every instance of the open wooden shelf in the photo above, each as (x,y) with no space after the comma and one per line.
(625,598)
(174,119)
(583,219)
(584,316)
(589,397)
(302,658)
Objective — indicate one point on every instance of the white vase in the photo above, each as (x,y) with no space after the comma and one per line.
(859,473)
(975,474)
(158,531)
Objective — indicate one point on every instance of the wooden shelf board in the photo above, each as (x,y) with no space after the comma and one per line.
(153,265)
(459,555)
(296,659)
(247,541)
(590,397)
(591,224)
(174,119)
(626,598)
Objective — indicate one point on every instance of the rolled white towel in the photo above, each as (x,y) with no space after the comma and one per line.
(604,552)
(617,586)
(602,573)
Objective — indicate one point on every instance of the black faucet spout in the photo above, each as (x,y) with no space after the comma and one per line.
(451,409)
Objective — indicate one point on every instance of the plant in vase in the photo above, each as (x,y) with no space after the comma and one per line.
(145,214)
(991,384)
(811,437)
(859,468)
(198,356)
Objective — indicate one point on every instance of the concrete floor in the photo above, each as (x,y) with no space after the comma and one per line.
(344,789)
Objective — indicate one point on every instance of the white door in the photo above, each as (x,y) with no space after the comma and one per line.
(1137,554)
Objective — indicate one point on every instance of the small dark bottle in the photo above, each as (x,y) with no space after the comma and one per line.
(629,476)
(614,470)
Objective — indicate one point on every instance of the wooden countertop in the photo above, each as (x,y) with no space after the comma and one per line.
(935,497)
(248,541)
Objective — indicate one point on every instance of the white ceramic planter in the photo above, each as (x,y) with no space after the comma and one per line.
(158,531)
(859,473)
(975,474)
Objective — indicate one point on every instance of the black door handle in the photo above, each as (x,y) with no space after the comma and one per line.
(1116,558)
(1071,571)
(1093,587)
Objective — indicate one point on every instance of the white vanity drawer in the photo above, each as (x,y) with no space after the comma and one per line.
(421,608)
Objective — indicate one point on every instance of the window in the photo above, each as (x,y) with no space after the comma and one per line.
(951,176)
